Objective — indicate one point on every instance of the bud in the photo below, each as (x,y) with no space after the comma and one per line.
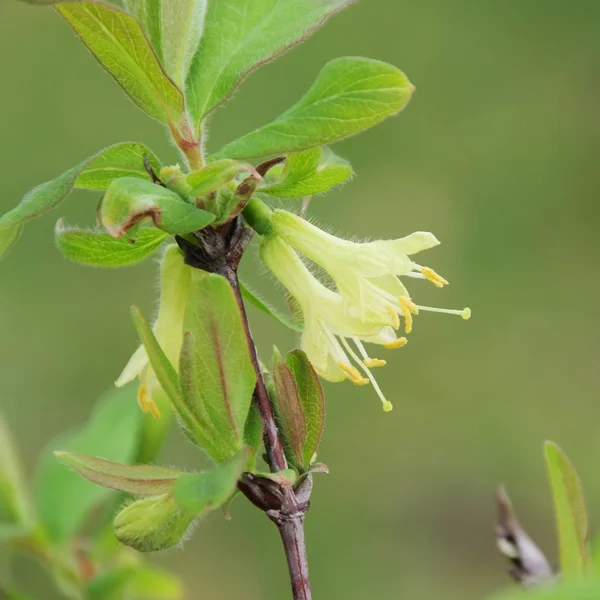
(152,524)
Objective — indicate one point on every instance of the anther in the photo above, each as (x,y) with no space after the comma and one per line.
(399,343)
(146,403)
(395,317)
(371,363)
(352,373)
(408,308)
(432,276)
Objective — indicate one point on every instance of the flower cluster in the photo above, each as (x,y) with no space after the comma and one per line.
(370,300)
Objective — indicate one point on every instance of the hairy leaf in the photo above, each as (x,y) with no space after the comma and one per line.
(349,96)
(129,201)
(118,42)
(138,480)
(99,249)
(215,175)
(64,498)
(199,493)
(241,35)
(217,376)
(571,513)
(313,171)
(311,398)
(120,160)
(182,22)
(148,12)
(47,196)
(253,298)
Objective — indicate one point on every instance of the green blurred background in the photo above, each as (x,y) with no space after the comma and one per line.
(497,154)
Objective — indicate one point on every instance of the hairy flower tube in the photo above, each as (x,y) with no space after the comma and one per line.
(367,275)
(175,279)
(332,339)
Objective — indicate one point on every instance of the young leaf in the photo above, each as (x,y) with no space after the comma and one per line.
(253,298)
(217,376)
(199,493)
(292,424)
(138,480)
(129,201)
(116,39)
(241,35)
(215,175)
(47,196)
(99,249)
(314,171)
(182,22)
(311,398)
(349,96)
(192,423)
(134,581)
(253,434)
(8,238)
(120,160)
(152,524)
(571,514)
(148,12)
(64,498)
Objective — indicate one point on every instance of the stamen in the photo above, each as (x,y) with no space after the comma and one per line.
(352,373)
(395,317)
(387,405)
(371,363)
(465,313)
(432,276)
(408,308)
(146,403)
(399,343)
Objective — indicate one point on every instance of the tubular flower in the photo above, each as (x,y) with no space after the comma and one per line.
(367,275)
(332,339)
(175,279)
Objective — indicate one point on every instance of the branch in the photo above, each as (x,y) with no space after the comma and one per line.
(220,252)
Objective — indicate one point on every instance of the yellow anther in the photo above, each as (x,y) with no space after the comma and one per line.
(146,403)
(432,276)
(374,362)
(361,382)
(352,373)
(409,308)
(395,317)
(399,343)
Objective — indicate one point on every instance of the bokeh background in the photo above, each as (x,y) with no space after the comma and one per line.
(497,154)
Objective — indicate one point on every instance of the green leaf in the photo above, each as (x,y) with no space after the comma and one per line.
(138,480)
(215,175)
(118,42)
(571,514)
(312,400)
(15,501)
(64,498)
(313,171)
(349,96)
(577,590)
(152,524)
(99,249)
(290,416)
(47,196)
(147,12)
(202,492)
(217,375)
(8,238)
(182,24)
(129,201)
(120,160)
(253,434)
(253,298)
(134,582)
(241,35)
